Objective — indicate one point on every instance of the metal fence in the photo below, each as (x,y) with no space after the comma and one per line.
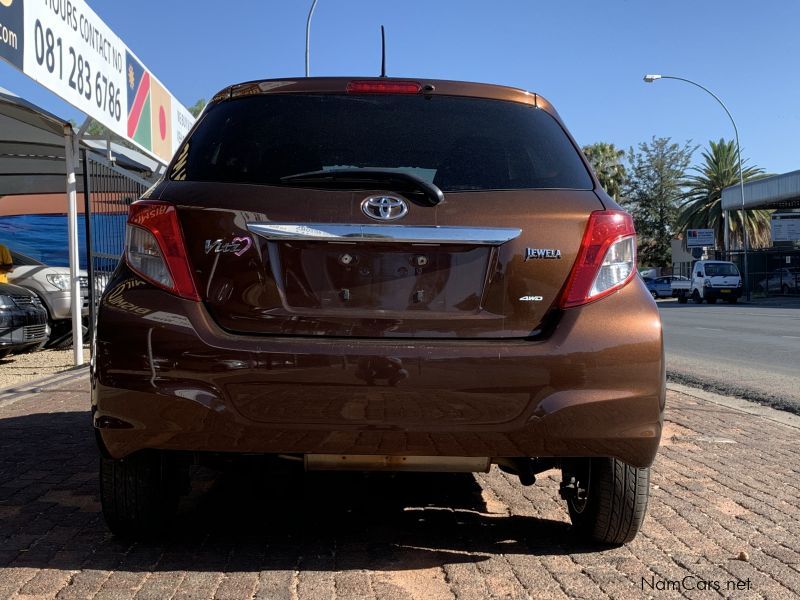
(773,271)
(108,193)
(684,269)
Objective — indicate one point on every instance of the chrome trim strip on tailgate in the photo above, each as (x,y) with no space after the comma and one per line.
(413,234)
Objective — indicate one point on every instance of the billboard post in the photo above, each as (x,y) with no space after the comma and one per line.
(76,302)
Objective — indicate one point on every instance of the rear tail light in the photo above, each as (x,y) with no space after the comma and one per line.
(606,259)
(383,87)
(155,250)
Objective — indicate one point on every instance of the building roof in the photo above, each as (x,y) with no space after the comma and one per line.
(32,150)
(777,191)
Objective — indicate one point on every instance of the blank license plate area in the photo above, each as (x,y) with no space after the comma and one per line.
(383,276)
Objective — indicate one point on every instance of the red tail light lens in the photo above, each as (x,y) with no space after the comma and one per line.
(154,248)
(383,87)
(606,260)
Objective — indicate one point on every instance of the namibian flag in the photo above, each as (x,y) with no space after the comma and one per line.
(139,119)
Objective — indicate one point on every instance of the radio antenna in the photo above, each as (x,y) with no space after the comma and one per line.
(383,53)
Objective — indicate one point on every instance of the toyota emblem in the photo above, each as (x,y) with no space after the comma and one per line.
(384,207)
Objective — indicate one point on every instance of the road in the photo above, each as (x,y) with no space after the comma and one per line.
(749,351)
(722,487)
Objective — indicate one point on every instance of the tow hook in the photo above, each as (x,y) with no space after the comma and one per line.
(572,489)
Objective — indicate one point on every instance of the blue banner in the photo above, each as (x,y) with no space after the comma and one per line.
(12,19)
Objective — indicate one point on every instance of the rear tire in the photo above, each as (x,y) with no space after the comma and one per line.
(139,494)
(654,295)
(615,504)
(682,299)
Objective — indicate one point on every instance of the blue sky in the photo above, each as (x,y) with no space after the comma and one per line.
(587,57)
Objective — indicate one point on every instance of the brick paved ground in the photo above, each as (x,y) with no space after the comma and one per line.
(725,483)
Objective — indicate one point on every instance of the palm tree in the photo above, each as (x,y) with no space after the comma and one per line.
(702,201)
(606,161)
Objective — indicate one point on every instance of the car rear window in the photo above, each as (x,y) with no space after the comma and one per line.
(456,143)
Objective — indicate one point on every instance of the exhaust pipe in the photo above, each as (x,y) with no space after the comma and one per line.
(526,468)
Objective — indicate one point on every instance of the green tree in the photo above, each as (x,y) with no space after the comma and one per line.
(98,130)
(197,107)
(702,200)
(655,175)
(606,160)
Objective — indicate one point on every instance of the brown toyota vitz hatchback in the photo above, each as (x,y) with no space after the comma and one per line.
(379,274)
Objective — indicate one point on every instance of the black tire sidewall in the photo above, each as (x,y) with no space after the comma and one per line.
(614,509)
(138,494)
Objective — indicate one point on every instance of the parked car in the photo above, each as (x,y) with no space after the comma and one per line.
(785,280)
(711,280)
(23,321)
(51,285)
(661,287)
(380,274)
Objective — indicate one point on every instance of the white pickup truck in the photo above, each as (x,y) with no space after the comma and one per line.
(710,280)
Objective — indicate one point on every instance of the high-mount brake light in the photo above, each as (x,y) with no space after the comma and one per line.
(606,260)
(383,87)
(154,248)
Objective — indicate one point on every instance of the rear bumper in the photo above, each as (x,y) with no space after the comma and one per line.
(722,293)
(167,377)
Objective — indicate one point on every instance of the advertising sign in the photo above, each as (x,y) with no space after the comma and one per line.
(785,227)
(699,238)
(66,47)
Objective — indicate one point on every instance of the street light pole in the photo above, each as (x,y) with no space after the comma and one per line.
(651,79)
(308,35)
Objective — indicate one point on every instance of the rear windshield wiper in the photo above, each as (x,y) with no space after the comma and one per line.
(414,187)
